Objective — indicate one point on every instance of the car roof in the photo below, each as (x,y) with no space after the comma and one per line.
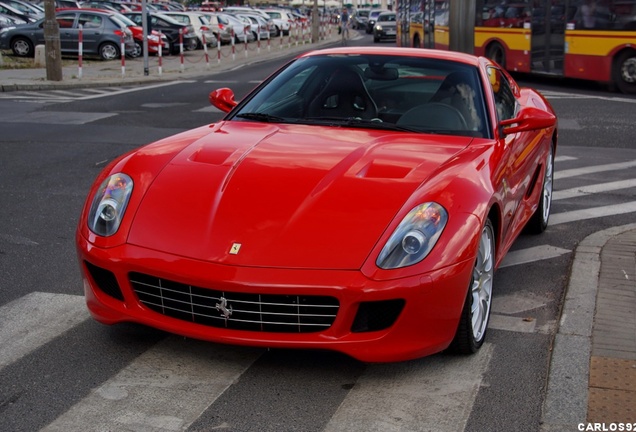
(454,56)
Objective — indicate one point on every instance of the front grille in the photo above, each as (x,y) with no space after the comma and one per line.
(232,310)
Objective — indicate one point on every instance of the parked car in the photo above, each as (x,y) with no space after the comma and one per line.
(137,31)
(34,12)
(101,4)
(257,25)
(7,21)
(220,26)
(102,34)
(282,19)
(240,28)
(6,9)
(360,18)
(170,28)
(422,166)
(385,27)
(199,23)
(373,16)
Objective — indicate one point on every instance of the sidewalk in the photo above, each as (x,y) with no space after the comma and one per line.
(592,375)
(592,378)
(109,73)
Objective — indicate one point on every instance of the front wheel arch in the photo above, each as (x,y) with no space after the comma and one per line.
(624,71)
(475,315)
(496,52)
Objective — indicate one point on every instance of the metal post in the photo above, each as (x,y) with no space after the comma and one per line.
(462,26)
(146,30)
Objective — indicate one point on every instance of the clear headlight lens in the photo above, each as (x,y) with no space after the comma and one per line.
(414,238)
(109,204)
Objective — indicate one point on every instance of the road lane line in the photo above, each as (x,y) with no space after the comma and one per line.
(593,189)
(134,89)
(593,169)
(165,389)
(35,319)
(435,393)
(592,213)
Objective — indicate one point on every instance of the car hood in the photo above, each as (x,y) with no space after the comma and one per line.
(292,196)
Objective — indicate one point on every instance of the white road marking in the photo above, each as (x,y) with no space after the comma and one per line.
(593,169)
(561,95)
(435,393)
(564,158)
(120,91)
(164,389)
(33,320)
(510,323)
(592,213)
(208,109)
(54,117)
(593,189)
(536,253)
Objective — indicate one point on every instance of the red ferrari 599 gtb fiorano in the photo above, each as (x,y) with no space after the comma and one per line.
(358,200)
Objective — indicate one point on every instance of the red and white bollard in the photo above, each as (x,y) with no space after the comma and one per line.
(160,54)
(205,51)
(122,50)
(80,49)
(181,49)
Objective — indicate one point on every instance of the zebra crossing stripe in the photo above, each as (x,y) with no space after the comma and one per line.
(165,389)
(33,320)
(593,169)
(592,213)
(436,393)
(593,189)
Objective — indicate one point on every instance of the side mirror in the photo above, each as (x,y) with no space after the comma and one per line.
(528,119)
(223,99)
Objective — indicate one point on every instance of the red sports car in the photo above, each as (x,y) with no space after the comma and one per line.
(358,200)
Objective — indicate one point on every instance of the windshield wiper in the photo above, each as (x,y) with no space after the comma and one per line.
(358,122)
(262,117)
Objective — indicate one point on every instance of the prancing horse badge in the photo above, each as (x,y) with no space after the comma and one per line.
(235,249)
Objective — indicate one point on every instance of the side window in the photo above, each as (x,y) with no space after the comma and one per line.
(505,101)
(90,21)
(65,21)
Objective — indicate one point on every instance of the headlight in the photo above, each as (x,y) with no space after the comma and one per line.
(109,204)
(414,238)
(378,27)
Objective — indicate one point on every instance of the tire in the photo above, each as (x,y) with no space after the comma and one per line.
(109,51)
(497,53)
(624,72)
(138,51)
(473,322)
(416,42)
(22,47)
(539,220)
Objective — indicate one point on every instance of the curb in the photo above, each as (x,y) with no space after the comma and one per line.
(566,402)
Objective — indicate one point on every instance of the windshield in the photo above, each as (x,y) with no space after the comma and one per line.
(393,92)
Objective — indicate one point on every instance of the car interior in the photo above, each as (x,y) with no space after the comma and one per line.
(420,95)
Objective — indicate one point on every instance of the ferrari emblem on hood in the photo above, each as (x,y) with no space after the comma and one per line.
(235,249)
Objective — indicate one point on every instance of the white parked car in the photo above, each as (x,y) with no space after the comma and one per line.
(283,20)
(200,24)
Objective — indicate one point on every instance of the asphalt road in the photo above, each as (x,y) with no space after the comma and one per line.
(79,375)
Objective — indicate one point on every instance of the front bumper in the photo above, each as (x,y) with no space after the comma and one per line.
(426,308)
